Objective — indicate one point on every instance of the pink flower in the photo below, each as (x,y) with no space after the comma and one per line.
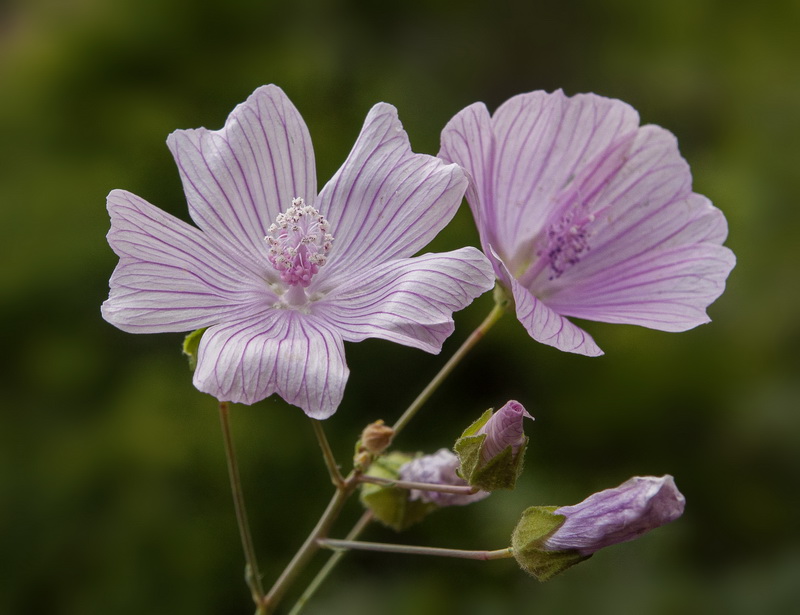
(584,213)
(281,275)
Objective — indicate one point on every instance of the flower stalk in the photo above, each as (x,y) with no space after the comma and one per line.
(474,338)
(327,454)
(339,545)
(311,545)
(318,580)
(252,574)
(408,484)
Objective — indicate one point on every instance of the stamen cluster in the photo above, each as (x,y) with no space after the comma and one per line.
(299,242)
(567,240)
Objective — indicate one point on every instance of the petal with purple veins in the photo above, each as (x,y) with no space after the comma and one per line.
(238,179)
(409,301)
(386,202)
(279,351)
(171,277)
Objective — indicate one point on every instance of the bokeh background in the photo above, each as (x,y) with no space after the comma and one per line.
(113,486)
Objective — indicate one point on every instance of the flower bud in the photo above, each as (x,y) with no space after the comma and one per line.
(389,504)
(550,539)
(504,428)
(376,437)
(438,469)
(609,517)
(492,449)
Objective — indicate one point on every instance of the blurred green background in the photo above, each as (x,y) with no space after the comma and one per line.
(113,487)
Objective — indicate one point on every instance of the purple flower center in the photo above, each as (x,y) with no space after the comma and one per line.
(299,243)
(565,241)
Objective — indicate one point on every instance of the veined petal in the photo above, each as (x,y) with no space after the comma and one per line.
(238,179)
(667,289)
(541,141)
(468,140)
(655,257)
(544,324)
(171,277)
(409,301)
(279,351)
(386,202)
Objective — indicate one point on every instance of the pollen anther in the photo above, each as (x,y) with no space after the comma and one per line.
(299,243)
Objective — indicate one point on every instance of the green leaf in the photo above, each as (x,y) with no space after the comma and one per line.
(390,505)
(190,345)
(534,527)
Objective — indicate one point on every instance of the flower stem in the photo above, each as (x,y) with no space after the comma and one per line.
(383,547)
(327,453)
(311,545)
(346,486)
(474,338)
(312,588)
(407,484)
(252,574)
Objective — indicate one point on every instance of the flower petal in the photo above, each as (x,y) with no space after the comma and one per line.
(238,179)
(467,140)
(386,202)
(409,301)
(544,324)
(536,144)
(621,514)
(279,351)
(171,277)
(655,257)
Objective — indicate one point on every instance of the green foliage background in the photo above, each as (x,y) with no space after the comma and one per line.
(113,488)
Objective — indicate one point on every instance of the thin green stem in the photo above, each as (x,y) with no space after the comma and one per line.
(346,486)
(312,588)
(474,338)
(311,545)
(407,484)
(252,574)
(327,453)
(384,547)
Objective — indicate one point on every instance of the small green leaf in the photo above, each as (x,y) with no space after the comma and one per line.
(190,345)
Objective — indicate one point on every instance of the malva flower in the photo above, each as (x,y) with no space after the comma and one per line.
(609,517)
(439,468)
(281,275)
(584,213)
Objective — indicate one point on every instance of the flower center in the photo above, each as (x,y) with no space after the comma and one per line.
(565,241)
(299,243)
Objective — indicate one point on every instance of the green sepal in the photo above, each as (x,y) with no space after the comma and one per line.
(534,527)
(500,472)
(391,505)
(190,345)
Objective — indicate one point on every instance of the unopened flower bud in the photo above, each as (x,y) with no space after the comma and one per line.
(550,539)
(376,437)
(609,517)
(492,449)
(504,428)
(439,469)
